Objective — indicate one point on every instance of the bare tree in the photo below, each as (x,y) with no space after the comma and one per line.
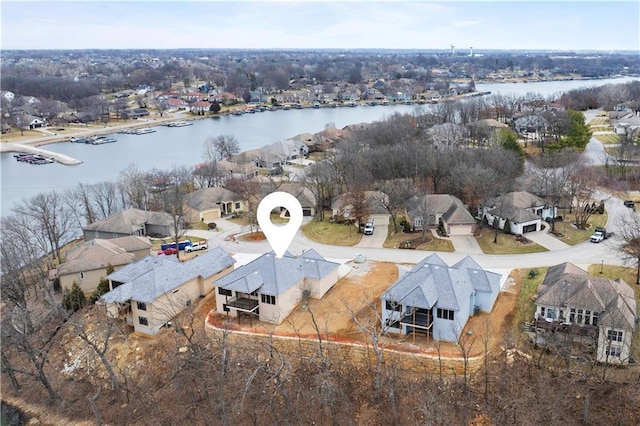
(629,239)
(318,178)
(172,200)
(221,147)
(392,196)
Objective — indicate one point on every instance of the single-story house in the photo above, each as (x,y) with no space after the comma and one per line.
(342,206)
(594,310)
(87,263)
(524,211)
(437,300)
(150,292)
(139,246)
(303,194)
(31,122)
(208,204)
(131,222)
(455,216)
(237,170)
(270,288)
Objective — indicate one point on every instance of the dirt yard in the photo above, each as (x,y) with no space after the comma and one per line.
(357,295)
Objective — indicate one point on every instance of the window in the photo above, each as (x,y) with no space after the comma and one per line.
(82,275)
(551,314)
(614,351)
(580,316)
(417,221)
(444,314)
(268,299)
(225,308)
(393,306)
(572,315)
(587,317)
(142,306)
(224,291)
(614,336)
(595,318)
(254,293)
(143,321)
(542,312)
(237,206)
(392,323)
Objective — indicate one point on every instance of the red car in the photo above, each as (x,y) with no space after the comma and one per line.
(168,251)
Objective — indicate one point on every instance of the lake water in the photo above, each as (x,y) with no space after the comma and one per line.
(184,145)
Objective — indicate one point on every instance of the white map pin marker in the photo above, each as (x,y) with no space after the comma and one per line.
(279,237)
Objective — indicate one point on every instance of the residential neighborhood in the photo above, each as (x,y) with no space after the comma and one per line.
(448,245)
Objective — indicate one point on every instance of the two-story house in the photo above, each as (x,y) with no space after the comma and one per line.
(598,312)
(269,288)
(437,300)
(149,293)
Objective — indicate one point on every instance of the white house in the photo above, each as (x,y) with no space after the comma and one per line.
(525,211)
(592,310)
(270,288)
(437,300)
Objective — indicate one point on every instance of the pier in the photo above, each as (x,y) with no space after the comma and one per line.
(18,147)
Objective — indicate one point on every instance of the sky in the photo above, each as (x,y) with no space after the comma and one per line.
(309,24)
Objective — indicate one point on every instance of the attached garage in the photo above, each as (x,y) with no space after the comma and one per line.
(307,212)
(461,230)
(380,219)
(210,215)
(532,227)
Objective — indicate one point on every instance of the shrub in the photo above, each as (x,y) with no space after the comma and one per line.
(103,287)
(212,225)
(558,218)
(73,299)
(533,273)
(506,228)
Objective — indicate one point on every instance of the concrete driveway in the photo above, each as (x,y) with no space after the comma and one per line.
(547,240)
(465,244)
(375,240)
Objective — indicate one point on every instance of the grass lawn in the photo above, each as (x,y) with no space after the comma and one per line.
(608,139)
(525,302)
(573,236)
(507,244)
(629,276)
(326,232)
(436,244)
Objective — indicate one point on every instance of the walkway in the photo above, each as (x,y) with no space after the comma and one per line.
(18,147)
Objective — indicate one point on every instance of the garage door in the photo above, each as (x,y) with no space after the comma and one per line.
(210,216)
(380,220)
(530,228)
(306,212)
(460,230)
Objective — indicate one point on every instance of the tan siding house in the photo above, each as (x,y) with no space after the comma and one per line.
(149,293)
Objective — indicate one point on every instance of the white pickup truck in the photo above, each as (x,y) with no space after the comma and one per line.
(599,235)
(200,245)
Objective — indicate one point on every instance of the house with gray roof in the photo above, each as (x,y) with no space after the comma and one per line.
(303,194)
(269,288)
(524,211)
(436,300)
(130,222)
(87,263)
(343,206)
(280,153)
(208,204)
(150,292)
(598,312)
(430,209)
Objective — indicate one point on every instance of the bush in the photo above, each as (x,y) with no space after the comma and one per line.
(103,287)
(212,225)
(533,273)
(73,299)
(558,218)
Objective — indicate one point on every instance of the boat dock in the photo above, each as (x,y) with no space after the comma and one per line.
(18,148)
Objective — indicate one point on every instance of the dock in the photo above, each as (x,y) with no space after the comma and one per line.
(18,147)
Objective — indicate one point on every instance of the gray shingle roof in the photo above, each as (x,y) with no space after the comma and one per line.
(154,276)
(94,254)
(210,198)
(570,285)
(451,208)
(130,221)
(432,283)
(272,276)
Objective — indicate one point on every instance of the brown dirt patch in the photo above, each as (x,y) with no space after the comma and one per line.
(357,295)
(252,236)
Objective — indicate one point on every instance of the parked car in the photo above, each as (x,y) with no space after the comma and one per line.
(180,246)
(168,251)
(201,245)
(369,228)
(630,204)
(599,234)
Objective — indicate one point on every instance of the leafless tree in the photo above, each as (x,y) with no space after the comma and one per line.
(628,226)
(135,187)
(392,196)
(172,200)
(159,106)
(52,217)
(221,147)
(318,178)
